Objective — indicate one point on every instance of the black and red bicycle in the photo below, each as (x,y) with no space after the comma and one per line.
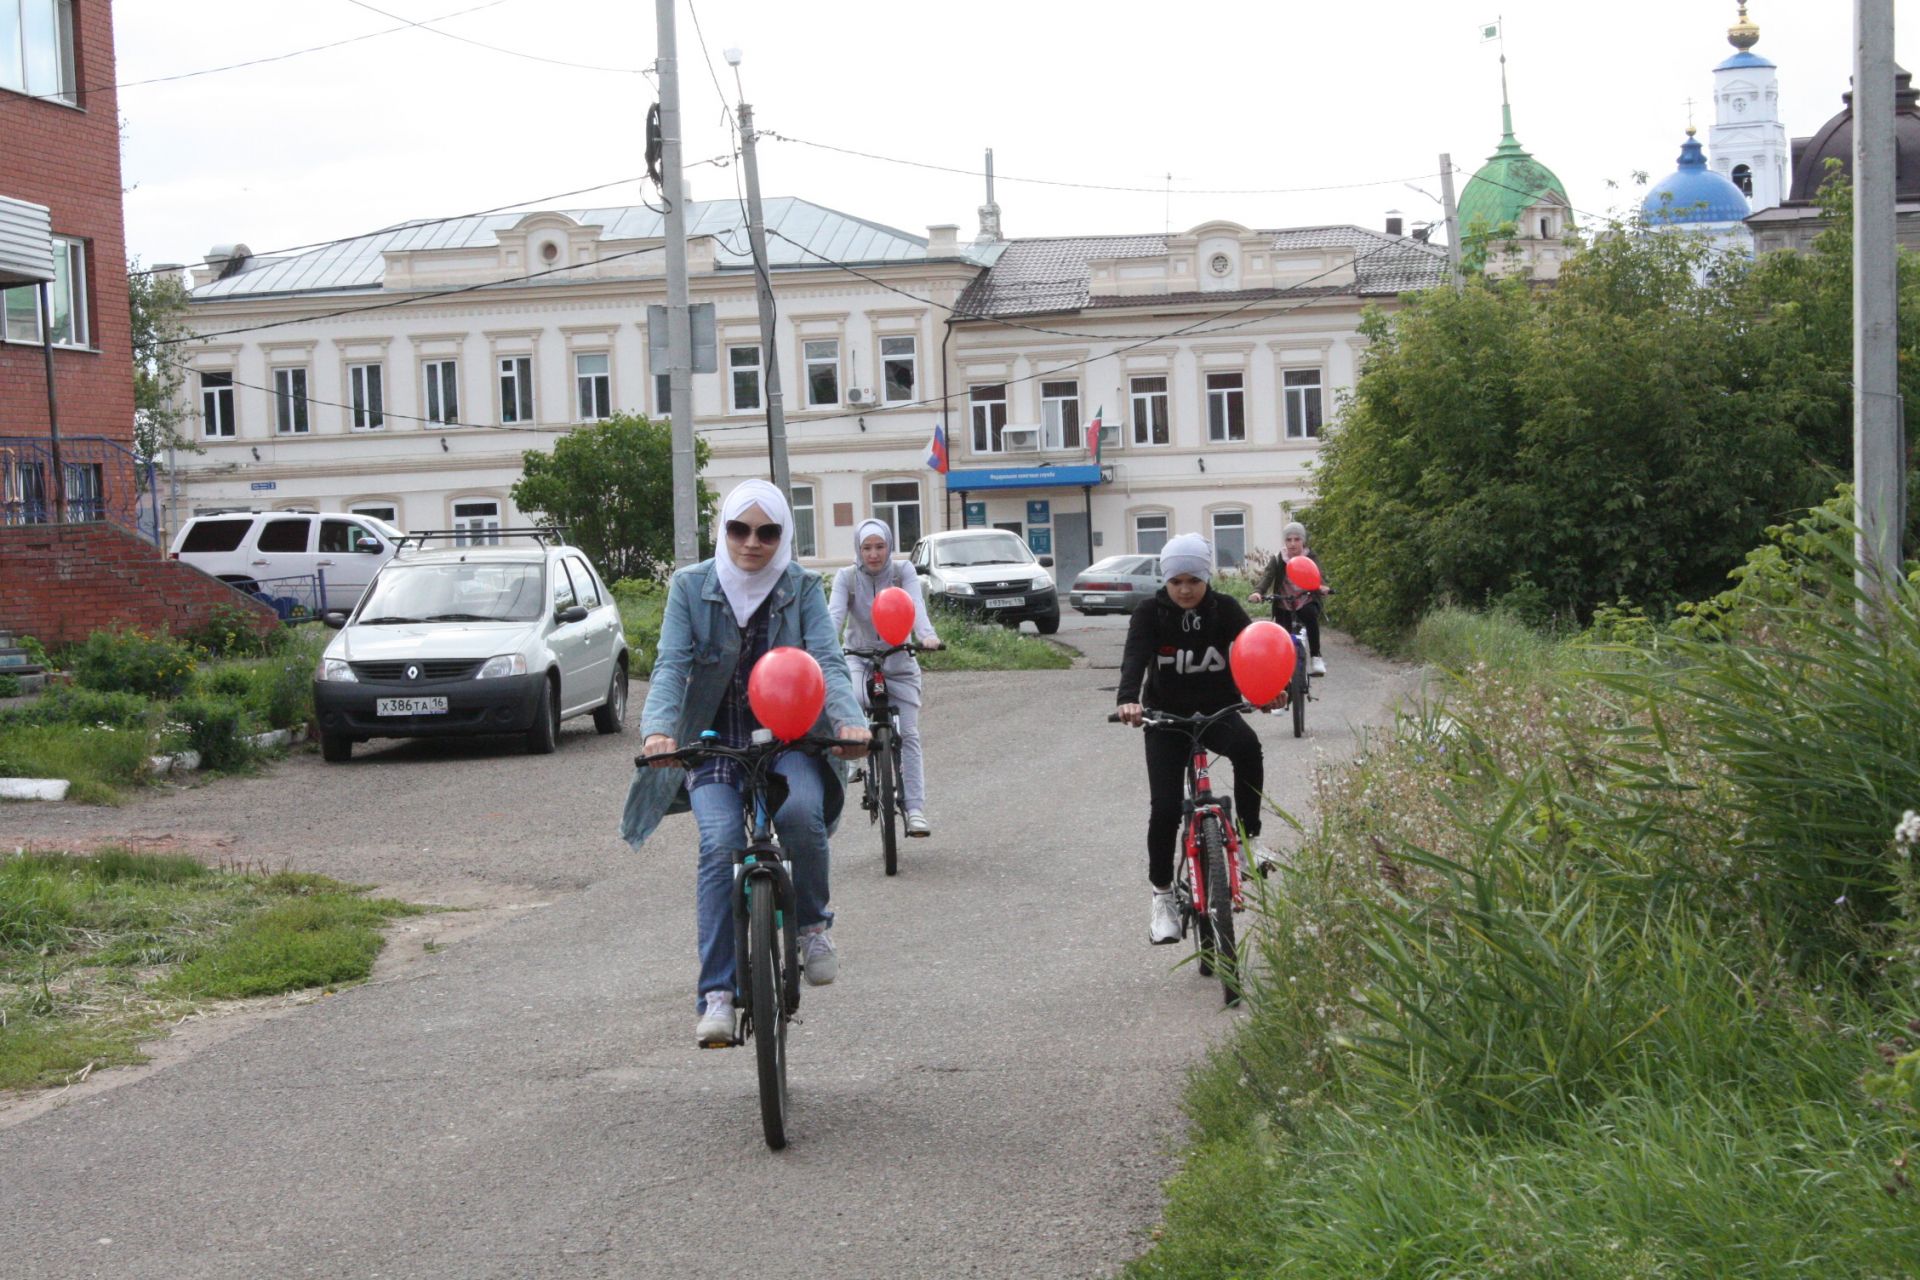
(1207,880)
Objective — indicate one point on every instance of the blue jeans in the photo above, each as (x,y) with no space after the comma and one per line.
(803,838)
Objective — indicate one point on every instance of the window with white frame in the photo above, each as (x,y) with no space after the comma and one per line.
(1149,533)
(290,401)
(366,391)
(386,511)
(216,405)
(822,357)
(743,379)
(899,369)
(805,540)
(1226,407)
(1060,415)
(36,49)
(476,521)
(896,503)
(516,389)
(1302,388)
(1229,539)
(1150,423)
(66,294)
(988,406)
(441,378)
(593,386)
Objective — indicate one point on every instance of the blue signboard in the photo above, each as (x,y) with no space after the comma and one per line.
(976,478)
(1037,511)
(976,515)
(265,484)
(1041,540)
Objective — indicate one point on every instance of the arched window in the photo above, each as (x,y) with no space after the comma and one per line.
(1743,179)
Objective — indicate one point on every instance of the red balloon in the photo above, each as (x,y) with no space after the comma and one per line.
(1262,659)
(1303,573)
(893,615)
(786,691)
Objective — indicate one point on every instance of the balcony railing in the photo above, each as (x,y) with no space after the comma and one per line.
(105,481)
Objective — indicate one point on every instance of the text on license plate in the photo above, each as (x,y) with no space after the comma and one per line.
(411,706)
(1005,602)
(1093,599)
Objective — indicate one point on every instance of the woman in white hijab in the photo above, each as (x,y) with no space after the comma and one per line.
(722,615)
(854,588)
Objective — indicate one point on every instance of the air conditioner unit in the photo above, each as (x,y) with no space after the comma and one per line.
(859,395)
(1020,439)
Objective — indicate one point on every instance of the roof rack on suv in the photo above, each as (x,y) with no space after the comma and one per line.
(550,536)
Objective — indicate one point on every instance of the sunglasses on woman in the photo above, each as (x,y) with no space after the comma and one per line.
(739,529)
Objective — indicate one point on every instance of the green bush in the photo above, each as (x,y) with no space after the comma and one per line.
(236,682)
(643,607)
(73,705)
(133,661)
(217,729)
(229,631)
(9,685)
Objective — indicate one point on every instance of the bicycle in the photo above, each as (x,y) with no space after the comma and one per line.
(884,793)
(1299,686)
(766,936)
(1207,879)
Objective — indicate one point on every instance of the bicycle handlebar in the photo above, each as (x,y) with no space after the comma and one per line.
(881,655)
(1151,719)
(812,744)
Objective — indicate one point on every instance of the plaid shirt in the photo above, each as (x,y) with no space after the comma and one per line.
(735,722)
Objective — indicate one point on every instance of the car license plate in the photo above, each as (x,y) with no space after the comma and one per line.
(411,706)
(1005,602)
(1093,599)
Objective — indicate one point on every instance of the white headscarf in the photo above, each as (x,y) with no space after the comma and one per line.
(745,591)
(868,583)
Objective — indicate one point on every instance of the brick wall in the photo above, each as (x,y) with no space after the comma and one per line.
(59,582)
(69,160)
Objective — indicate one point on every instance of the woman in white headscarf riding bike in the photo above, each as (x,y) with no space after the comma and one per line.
(854,590)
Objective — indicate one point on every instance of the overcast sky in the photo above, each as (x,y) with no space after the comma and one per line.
(1359,96)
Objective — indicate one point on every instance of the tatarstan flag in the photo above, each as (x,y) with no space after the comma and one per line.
(1093,435)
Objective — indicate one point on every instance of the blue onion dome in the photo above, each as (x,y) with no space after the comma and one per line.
(1694,193)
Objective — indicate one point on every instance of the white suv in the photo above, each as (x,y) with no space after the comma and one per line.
(260,551)
(482,639)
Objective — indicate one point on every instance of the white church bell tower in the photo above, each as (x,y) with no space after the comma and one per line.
(1747,142)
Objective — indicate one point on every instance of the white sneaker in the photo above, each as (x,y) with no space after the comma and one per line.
(1164,926)
(917,824)
(1318,667)
(715,1028)
(818,962)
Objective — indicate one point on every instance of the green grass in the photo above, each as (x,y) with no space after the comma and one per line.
(101,763)
(1457,640)
(973,646)
(97,952)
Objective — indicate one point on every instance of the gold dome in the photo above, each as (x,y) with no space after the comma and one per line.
(1744,34)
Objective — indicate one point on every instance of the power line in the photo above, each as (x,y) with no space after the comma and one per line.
(413,300)
(251,62)
(1092,186)
(516,53)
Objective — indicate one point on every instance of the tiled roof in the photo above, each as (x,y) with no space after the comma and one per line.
(1034,277)
(357,264)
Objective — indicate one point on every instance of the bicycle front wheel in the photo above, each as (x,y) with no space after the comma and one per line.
(881,761)
(764,955)
(1219,913)
(1298,696)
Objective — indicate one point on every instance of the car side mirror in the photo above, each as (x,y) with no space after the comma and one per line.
(572,613)
(920,569)
(334,618)
(368,547)
(1046,562)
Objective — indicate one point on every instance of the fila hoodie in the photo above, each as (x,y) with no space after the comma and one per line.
(1181,654)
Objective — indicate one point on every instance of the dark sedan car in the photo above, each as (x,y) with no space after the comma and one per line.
(1115,585)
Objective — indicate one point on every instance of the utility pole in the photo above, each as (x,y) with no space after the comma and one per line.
(763,279)
(1879,447)
(686,480)
(1453,219)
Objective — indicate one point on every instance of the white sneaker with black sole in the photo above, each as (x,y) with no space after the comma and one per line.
(1164,925)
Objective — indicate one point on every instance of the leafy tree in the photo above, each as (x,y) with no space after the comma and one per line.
(1625,434)
(158,304)
(611,486)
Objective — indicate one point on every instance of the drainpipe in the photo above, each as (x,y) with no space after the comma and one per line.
(53,409)
(946,416)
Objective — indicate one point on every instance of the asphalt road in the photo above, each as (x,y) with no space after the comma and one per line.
(991,1089)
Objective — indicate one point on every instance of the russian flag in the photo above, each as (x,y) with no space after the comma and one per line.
(937,451)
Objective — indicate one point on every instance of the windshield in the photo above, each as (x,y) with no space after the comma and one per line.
(985,548)
(460,592)
(393,534)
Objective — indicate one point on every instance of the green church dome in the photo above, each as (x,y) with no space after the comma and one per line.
(1507,185)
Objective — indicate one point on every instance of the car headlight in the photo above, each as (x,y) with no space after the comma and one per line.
(1042,583)
(335,669)
(959,588)
(506,664)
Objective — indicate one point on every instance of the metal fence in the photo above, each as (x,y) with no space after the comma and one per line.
(105,481)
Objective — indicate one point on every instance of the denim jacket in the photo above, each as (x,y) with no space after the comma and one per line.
(699,648)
